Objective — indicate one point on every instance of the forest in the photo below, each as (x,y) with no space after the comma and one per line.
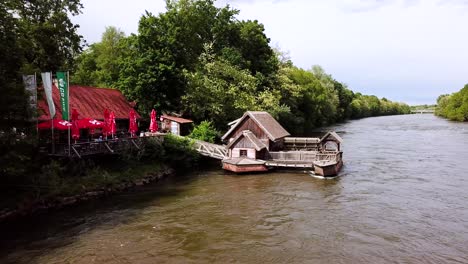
(199,60)
(195,59)
(453,106)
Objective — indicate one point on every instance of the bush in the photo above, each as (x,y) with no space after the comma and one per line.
(180,152)
(205,131)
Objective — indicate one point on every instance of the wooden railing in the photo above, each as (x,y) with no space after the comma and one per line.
(329,156)
(293,155)
(99,147)
(211,150)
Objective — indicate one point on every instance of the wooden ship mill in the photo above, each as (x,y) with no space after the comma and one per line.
(257,142)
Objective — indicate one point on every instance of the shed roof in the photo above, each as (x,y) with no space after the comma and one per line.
(90,102)
(259,145)
(333,135)
(265,121)
(176,119)
(244,161)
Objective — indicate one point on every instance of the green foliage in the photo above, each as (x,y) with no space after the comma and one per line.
(219,67)
(98,65)
(48,38)
(454,106)
(205,131)
(219,91)
(35,36)
(180,153)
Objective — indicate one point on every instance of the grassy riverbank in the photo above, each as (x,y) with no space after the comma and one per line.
(33,181)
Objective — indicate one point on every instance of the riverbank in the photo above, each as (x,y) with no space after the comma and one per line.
(28,207)
(54,183)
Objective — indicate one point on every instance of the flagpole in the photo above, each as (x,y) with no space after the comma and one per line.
(68,101)
(35,113)
(52,121)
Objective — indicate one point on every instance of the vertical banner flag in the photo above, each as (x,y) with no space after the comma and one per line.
(31,88)
(63,90)
(47,82)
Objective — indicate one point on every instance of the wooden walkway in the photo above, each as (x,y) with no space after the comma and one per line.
(211,150)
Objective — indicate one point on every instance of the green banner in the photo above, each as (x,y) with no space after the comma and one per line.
(63,90)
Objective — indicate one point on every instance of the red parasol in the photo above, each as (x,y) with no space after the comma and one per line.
(105,128)
(133,124)
(75,129)
(58,124)
(90,123)
(153,124)
(112,128)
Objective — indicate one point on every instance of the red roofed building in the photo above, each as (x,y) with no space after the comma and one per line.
(90,102)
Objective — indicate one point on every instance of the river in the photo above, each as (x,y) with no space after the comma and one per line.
(402,198)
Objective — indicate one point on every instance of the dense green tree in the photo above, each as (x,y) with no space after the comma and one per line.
(12,103)
(454,106)
(99,64)
(34,36)
(48,38)
(221,92)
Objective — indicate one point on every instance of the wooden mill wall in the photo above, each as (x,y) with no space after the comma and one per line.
(249,124)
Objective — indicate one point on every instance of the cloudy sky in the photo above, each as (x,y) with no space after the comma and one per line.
(404,50)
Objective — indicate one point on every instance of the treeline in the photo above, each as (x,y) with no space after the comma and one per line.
(201,61)
(453,106)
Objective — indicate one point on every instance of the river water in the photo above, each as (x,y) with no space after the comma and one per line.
(402,198)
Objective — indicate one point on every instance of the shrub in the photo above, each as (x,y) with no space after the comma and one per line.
(205,131)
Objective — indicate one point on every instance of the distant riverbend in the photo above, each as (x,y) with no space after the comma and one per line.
(401,198)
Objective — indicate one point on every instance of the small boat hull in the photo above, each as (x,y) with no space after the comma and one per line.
(327,169)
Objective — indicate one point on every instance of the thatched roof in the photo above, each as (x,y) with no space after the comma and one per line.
(265,121)
(259,145)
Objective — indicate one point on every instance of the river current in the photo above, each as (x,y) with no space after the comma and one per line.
(402,197)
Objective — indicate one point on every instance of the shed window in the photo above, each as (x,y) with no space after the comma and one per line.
(243,153)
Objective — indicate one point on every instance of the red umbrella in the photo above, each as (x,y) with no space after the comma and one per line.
(75,129)
(133,124)
(112,128)
(105,128)
(153,124)
(90,123)
(58,124)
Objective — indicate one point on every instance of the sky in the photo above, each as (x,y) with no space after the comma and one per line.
(404,50)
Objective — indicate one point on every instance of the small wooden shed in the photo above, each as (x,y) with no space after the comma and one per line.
(176,125)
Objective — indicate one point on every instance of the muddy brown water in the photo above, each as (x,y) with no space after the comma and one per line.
(402,198)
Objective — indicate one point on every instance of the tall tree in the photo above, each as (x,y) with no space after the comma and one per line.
(34,36)
(169,44)
(12,96)
(49,39)
(99,64)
